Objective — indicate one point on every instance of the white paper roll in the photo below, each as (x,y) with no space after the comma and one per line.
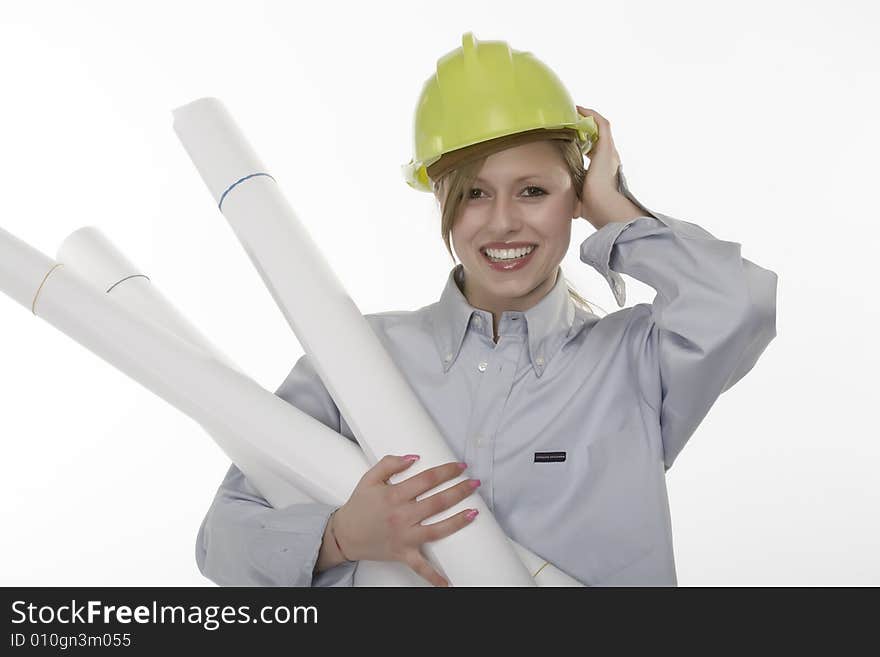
(355,368)
(103,265)
(292,443)
(88,252)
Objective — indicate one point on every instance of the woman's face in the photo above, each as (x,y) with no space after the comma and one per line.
(522,194)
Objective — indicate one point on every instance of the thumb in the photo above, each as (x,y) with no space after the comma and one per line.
(389,465)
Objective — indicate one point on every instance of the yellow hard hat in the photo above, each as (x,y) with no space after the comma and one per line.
(486,90)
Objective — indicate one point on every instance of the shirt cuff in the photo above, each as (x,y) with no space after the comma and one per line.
(280,544)
(596,249)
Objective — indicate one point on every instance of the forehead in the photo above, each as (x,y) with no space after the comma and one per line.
(539,158)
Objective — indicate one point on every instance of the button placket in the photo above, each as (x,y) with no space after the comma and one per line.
(492,391)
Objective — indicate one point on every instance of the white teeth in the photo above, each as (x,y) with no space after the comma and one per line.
(509,254)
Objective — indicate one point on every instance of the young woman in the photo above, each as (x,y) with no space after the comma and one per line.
(566,422)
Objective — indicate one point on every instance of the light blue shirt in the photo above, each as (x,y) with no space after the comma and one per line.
(570,421)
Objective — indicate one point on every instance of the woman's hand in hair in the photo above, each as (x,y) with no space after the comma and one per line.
(602,202)
(604,158)
(382,521)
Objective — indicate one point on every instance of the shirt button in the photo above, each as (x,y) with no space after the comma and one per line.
(482,366)
(539,360)
(448,357)
(477,320)
(481,440)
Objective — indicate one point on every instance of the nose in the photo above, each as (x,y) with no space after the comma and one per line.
(504,217)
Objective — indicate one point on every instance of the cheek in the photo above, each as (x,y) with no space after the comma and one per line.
(465,229)
(556,235)
(554,226)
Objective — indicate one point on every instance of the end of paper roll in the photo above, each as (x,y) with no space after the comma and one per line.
(215,103)
(84,235)
(95,257)
(216,146)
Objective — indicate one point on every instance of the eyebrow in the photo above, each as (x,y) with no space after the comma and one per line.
(521,178)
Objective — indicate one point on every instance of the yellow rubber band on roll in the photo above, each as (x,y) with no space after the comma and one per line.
(37,293)
(546,563)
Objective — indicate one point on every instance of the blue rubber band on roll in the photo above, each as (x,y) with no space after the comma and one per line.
(240,180)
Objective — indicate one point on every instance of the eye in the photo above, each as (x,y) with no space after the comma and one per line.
(530,187)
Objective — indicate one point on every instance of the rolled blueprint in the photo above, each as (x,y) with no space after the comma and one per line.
(354,366)
(189,378)
(103,265)
(98,260)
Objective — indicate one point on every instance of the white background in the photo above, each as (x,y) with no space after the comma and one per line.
(756,120)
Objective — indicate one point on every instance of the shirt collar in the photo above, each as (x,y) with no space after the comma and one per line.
(548,324)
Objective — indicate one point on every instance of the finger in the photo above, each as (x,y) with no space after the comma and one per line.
(387,466)
(586,111)
(420,565)
(437,530)
(449,497)
(411,488)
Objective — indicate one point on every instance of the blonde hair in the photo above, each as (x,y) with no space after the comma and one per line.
(459,179)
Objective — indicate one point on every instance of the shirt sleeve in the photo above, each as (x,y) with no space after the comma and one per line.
(244,541)
(712,317)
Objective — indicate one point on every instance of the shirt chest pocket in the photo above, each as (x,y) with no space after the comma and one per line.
(553,475)
(585,503)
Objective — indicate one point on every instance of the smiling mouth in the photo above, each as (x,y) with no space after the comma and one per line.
(509,264)
(518,258)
